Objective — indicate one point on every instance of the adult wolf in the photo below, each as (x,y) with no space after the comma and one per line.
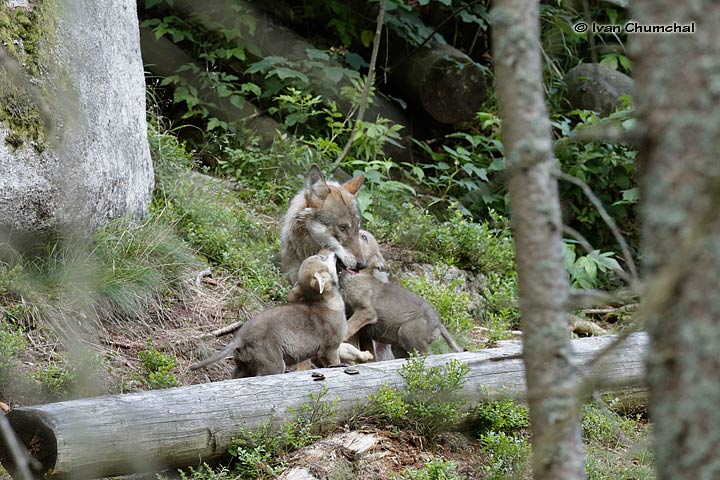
(324,214)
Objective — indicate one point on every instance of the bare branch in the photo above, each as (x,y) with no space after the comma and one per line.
(606,218)
(587,246)
(368,83)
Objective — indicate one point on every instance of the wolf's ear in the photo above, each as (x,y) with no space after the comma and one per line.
(354,184)
(318,283)
(315,182)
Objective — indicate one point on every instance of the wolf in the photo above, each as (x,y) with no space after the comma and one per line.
(324,214)
(312,328)
(387,313)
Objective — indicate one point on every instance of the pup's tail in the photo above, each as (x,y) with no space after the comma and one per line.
(214,358)
(449,339)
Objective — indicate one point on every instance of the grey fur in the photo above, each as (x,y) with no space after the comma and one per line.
(388,313)
(323,214)
(289,334)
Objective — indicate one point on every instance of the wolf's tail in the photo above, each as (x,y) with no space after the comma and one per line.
(214,358)
(449,339)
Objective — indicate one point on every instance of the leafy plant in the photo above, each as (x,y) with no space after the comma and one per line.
(585,270)
(157,367)
(499,416)
(608,167)
(464,168)
(435,469)
(423,406)
(256,450)
(12,342)
(509,455)
(57,380)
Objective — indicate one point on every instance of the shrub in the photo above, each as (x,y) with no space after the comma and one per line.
(499,416)
(435,469)
(426,405)
(509,455)
(256,450)
(157,367)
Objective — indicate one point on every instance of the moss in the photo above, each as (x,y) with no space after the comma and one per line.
(21,32)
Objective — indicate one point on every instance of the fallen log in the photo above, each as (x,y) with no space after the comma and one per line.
(159,429)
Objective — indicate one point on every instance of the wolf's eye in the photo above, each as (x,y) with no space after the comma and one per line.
(364,237)
(343,228)
(323,258)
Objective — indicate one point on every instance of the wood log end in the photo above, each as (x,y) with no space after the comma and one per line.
(38,437)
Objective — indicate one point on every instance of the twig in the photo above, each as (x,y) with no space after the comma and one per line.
(366,89)
(223,331)
(25,464)
(568,230)
(620,309)
(606,217)
(205,273)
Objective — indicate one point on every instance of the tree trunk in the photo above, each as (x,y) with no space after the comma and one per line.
(73,150)
(542,282)
(678,98)
(183,426)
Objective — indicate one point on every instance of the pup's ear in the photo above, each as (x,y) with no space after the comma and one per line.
(316,185)
(318,282)
(354,184)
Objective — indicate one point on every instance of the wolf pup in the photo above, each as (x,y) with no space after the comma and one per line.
(388,313)
(289,334)
(323,214)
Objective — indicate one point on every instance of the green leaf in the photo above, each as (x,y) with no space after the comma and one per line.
(214,123)
(355,61)
(223,91)
(265,64)
(317,54)
(283,73)
(497,165)
(366,37)
(237,52)
(334,74)
(250,87)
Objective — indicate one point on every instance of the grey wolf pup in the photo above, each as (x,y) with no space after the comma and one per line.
(289,334)
(324,214)
(387,313)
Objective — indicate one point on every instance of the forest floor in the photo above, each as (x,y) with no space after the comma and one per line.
(182,326)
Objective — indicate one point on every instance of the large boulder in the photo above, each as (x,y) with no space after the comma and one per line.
(593,86)
(73,133)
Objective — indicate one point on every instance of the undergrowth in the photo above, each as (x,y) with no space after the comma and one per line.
(427,405)
(435,469)
(256,452)
(227,231)
(451,303)
(157,366)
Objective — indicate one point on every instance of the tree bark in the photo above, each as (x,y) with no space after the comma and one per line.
(183,426)
(678,98)
(542,282)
